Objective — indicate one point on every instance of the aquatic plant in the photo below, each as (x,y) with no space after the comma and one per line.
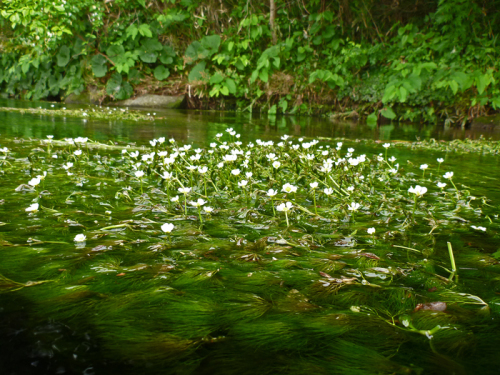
(109,247)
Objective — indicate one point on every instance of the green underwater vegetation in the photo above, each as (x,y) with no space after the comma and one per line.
(287,256)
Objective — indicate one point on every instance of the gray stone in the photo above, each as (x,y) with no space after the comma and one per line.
(490,123)
(152,101)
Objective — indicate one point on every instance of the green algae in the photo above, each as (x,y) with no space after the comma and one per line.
(242,291)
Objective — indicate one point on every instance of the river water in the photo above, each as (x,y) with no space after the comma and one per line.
(242,290)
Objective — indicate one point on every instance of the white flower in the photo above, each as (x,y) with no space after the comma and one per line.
(200,202)
(284,207)
(386,145)
(370,230)
(350,150)
(32,208)
(34,181)
(440,160)
(167,227)
(448,175)
(235,172)
(328,191)
(185,190)
(313,185)
(242,183)
(167,175)
(424,167)
(139,174)
(208,209)
(220,165)
(392,159)
(276,164)
(80,238)
(202,170)
(417,190)
(478,228)
(249,174)
(50,136)
(441,185)
(350,188)
(271,192)
(353,206)
(288,188)
(175,199)
(339,144)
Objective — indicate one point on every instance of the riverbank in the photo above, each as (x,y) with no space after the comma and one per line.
(367,60)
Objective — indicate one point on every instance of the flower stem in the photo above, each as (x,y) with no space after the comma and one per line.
(286,217)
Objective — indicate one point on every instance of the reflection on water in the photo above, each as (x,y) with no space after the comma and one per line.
(201,126)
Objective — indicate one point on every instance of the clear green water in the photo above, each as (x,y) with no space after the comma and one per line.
(241,292)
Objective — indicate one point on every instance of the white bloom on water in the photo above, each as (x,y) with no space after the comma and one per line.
(478,228)
(80,238)
(313,185)
(386,145)
(441,185)
(184,190)
(34,181)
(175,199)
(448,175)
(167,227)
(235,172)
(285,207)
(207,209)
(370,230)
(276,164)
(417,190)
(271,156)
(424,167)
(328,191)
(167,175)
(271,192)
(200,202)
(139,174)
(288,188)
(32,208)
(353,206)
(440,160)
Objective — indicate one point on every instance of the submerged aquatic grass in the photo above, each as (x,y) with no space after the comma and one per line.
(289,252)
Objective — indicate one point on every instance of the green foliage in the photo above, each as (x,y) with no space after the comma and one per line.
(420,60)
(117,88)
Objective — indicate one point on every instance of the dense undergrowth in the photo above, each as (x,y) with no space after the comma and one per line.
(413,61)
